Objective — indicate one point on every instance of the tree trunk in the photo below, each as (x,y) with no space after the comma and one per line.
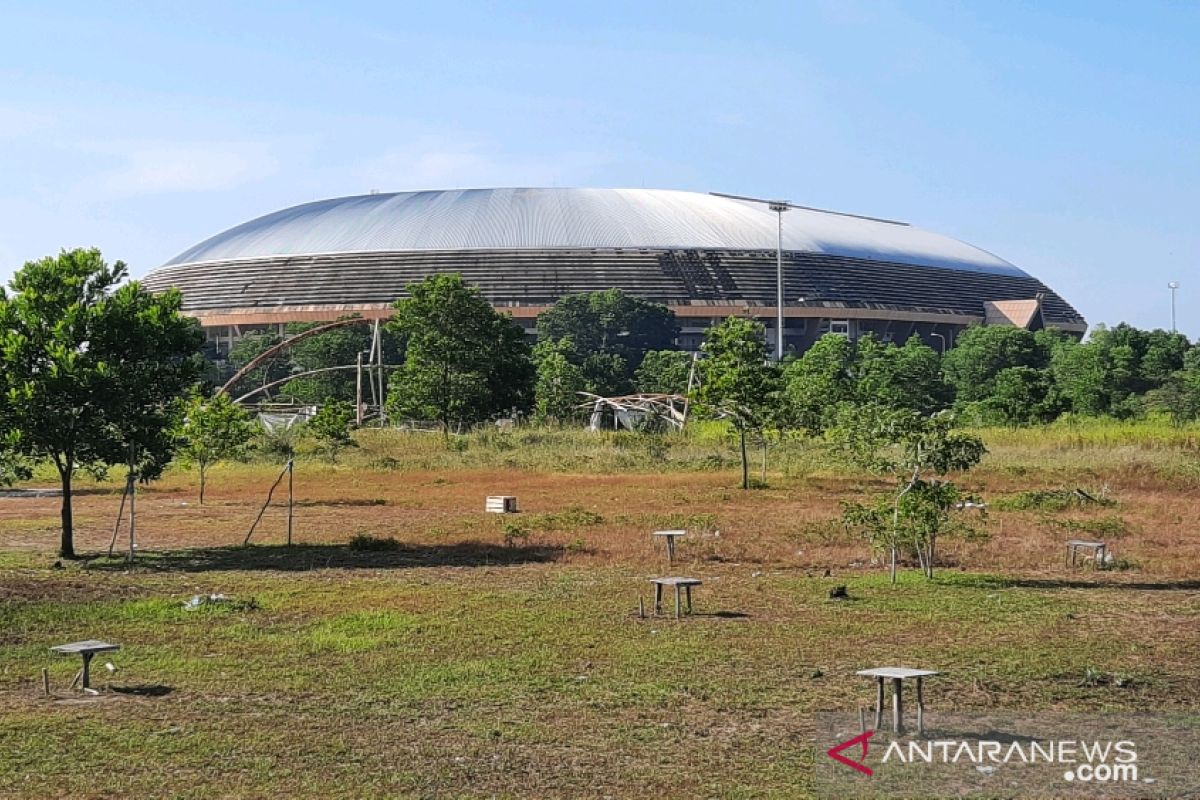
(745,459)
(202,473)
(66,547)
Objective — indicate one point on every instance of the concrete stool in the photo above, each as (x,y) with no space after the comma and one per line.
(87,649)
(897,675)
(670,537)
(685,583)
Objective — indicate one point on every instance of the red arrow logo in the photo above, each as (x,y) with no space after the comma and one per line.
(835,752)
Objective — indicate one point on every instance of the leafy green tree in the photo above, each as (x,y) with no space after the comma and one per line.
(464,361)
(610,332)
(1116,368)
(738,381)
(819,380)
(1021,396)
(559,382)
(1179,395)
(90,368)
(213,428)
(836,370)
(330,427)
(981,352)
(912,447)
(907,377)
(664,372)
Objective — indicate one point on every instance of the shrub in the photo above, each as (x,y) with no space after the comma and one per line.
(366,543)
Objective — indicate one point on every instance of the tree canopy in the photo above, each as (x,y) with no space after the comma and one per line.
(608,333)
(738,381)
(464,361)
(90,368)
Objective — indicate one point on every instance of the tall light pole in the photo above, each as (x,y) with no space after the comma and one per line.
(1173,285)
(779,207)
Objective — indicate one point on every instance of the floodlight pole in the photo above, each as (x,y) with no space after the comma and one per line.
(1173,285)
(779,207)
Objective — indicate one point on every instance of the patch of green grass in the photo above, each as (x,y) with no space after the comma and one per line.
(1052,500)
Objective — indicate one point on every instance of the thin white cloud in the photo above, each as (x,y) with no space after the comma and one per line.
(429,163)
(162,167)
(18,123)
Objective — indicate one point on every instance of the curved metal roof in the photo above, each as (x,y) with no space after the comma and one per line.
(541,219)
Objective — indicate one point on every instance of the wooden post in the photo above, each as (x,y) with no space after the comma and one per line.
(897,707)
(46,681)
(120,515)
(878,703)
(358,408)
(920,708)
(670,549)
(87,672)
(688,589)
(379,363)
(641,607)
(290,469)
(263,510)
(657,599)
(132,509)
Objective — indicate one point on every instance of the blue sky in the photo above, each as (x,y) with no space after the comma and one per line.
(1064,137)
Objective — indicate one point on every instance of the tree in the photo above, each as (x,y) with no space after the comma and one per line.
(610,333)
(330,427)
(910,446)
(1021,396)
(819,380)
(1179,395)
(89,368)
(1112,372)
(737,380)
(664,372)
(981,352)
(213,428)
(464,361)
(559,382)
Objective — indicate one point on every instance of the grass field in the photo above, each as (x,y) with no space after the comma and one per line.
(484,656)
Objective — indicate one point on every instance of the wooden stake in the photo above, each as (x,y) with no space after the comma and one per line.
(263,510)
(120,514)
(290,470)
(132,501)
(46,681)
(358,407)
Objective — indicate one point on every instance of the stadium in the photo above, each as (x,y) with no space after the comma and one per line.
(705,256)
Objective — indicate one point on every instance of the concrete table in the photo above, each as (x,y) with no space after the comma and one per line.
(87,649)
(1076,546)
(670,537)
(897,675)
(677,583)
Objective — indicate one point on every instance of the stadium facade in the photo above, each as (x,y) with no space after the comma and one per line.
(706,257)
